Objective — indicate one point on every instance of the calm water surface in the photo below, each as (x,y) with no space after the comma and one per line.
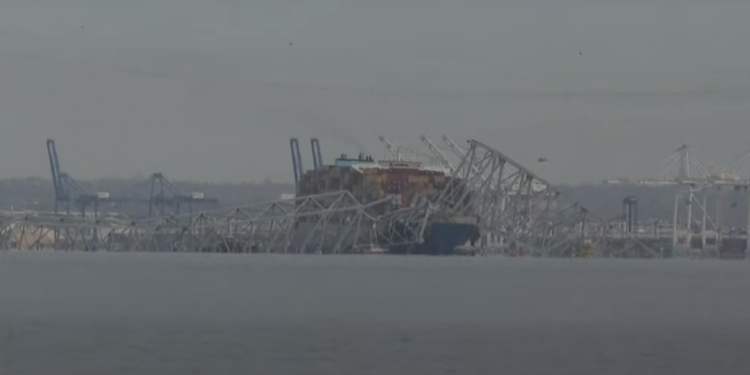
(223,314)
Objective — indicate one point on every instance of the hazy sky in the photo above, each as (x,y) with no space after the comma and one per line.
(212,89)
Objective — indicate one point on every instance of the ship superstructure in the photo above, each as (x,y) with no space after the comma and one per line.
(406,183)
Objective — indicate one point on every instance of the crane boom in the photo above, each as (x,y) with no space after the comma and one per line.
(394,151)
(458,150)
(296,160)
(439,155)
(54,163)
(316,154)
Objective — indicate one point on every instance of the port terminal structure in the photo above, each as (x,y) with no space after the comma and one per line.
(513,207)
(517,212)
(161,196)
(697,228)
(331,222)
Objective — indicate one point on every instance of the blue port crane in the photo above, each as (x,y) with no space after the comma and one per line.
(316,154)
(296,161)
(67,191)
(57,180)
(165,199)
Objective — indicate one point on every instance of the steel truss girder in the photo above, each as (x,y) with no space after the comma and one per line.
(326,223)
(508,199)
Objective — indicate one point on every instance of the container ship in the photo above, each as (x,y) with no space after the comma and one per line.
(370,180)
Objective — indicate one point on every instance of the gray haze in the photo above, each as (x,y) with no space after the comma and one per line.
(106,313)
(212,89)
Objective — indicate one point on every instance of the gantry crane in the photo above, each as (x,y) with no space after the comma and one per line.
(316,154)
(67,191)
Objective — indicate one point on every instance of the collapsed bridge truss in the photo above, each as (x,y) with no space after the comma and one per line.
(326,223)
(513,207)
(512,204)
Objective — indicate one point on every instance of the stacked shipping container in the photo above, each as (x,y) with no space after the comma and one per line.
(402,182)
(372,182)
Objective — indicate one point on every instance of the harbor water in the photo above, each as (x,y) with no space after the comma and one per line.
(106,313)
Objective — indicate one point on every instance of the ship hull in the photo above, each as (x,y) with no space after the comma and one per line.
(442,239)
